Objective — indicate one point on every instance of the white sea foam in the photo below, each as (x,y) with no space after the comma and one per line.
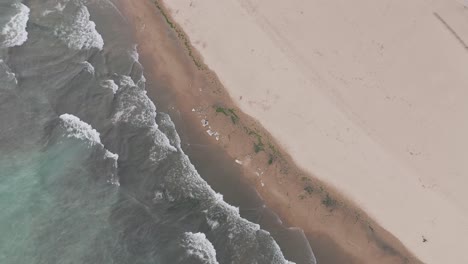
(114,157)
(59,7)
(212,223)
(223,217)
(110,84)
(88,67)
(199,247)
(133,106)
(141,81)
(82,130)
(124,114)
(162,146)
(219,199)
(7,75)
(183,181)
(126,81)
(14,31)
(79,129)
(79,32)
(110,155)
(134,53)
(158,196)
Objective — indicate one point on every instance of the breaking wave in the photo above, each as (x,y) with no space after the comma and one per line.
(78,31)
(13,30)
(79,129)
(198,249)
(105,169)
(69,22)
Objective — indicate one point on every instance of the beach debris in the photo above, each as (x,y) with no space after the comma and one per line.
(238,161)
(212,223)
(210,132)
(263,184)
(204,122)
(193,109)
(213,133)
(424,240)
(259,172)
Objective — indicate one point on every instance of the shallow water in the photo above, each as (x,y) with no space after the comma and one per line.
(90,171)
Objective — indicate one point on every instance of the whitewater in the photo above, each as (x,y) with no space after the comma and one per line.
(90,170)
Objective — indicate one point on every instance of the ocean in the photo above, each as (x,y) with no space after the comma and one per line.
(90,170)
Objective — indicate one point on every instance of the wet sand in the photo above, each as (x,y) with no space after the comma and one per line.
(245,153)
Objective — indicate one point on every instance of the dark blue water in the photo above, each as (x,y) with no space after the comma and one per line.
(90,171)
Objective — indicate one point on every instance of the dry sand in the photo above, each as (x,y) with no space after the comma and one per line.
(368,96)
(178,81)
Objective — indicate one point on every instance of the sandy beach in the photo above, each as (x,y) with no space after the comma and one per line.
(366,98)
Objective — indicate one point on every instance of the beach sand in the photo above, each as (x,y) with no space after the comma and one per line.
(366,98)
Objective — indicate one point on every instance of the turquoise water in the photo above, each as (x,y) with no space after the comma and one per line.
(90,171)
(53,194)
(17,190)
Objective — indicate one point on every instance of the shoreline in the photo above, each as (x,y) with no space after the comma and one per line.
(299,199)
(367,97)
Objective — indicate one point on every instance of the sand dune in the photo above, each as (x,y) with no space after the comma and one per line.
(369,96)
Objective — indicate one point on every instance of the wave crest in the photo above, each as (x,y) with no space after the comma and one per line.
(78,31)
(79,129)
(198,248)
(14,33)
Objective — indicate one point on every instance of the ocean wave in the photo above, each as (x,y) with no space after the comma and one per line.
(77,30)
(157,178)
(110,155)
(133,105)
(244,238)
(126,80)
(133,112)
(161,145)
(14,33)
(110,84)
(79,129)
(237,237)
(198,248)
(88,67)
